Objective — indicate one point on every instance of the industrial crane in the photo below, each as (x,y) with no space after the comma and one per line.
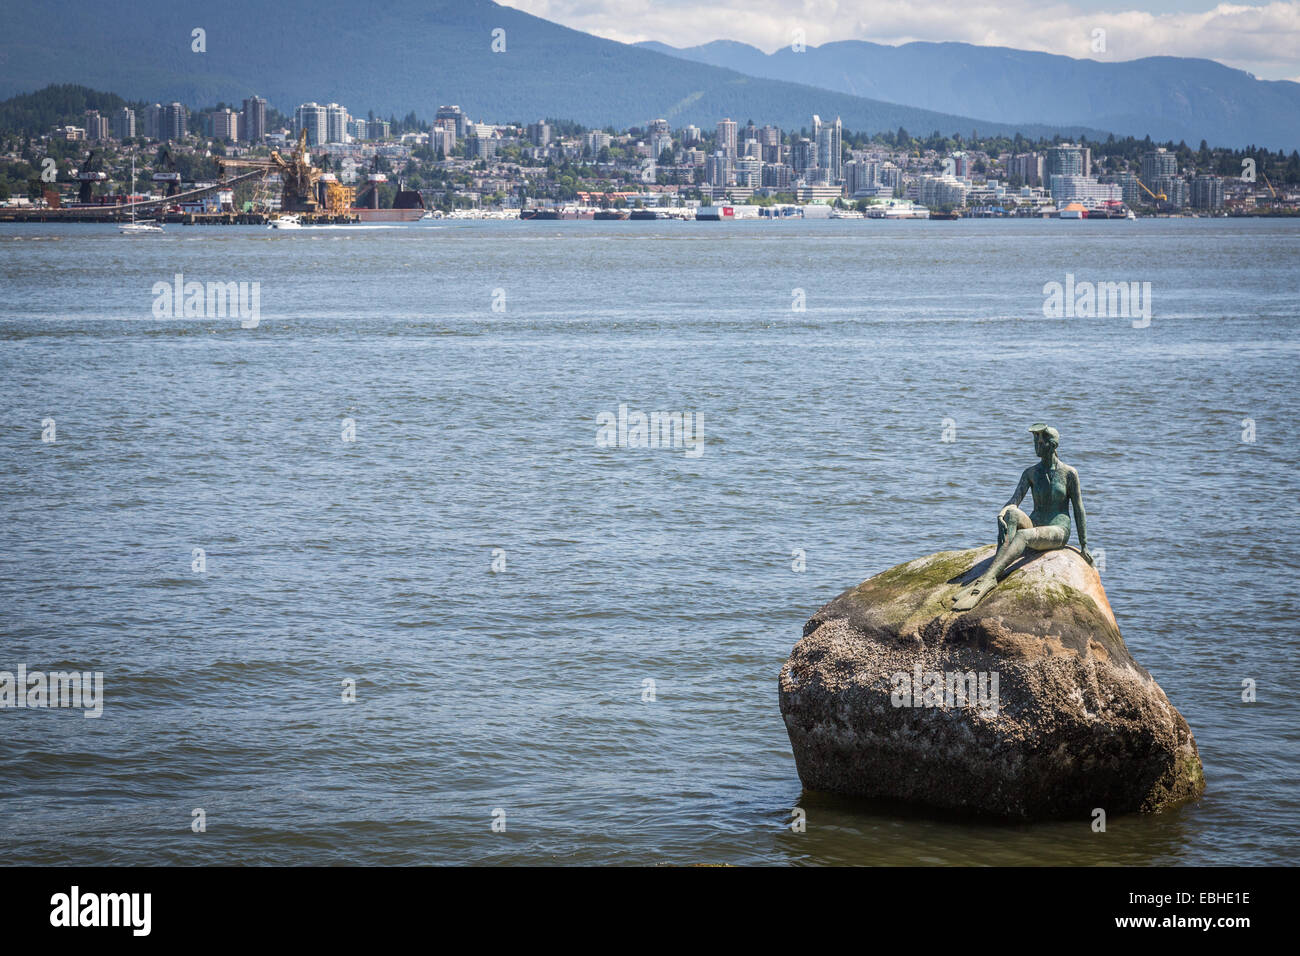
(1272,191)
(1158,197)
(297,175)
(91,172)
(171,177)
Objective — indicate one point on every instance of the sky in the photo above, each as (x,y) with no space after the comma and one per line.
(1262,38)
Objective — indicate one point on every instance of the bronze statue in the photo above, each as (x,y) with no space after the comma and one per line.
(1056,488)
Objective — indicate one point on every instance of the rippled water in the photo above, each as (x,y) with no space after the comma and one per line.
(475,431)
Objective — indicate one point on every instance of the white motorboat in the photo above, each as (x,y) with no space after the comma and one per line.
(286,222)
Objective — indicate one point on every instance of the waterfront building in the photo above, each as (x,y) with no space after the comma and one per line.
(1084,189)
(945,190)
(1174,188)
(1207,192)
(1068,159)
(1128,184)
(819,194)
(861,176)
(1156,164)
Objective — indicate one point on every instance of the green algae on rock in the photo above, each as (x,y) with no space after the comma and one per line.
(872,696)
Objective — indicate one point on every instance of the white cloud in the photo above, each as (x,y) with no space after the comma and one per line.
(1263,39)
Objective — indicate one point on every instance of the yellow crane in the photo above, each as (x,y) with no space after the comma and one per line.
(1158,197)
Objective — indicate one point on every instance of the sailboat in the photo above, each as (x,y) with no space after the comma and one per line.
(144,226)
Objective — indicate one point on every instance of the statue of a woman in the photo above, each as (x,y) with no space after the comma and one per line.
(1056,488)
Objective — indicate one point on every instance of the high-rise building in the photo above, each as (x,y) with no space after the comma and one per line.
(124,123)
(830,149)
(336,123)
(539,133)
(1157,163)
(770,136)
(717,169)
(173,122)
(152,124)
(1174,189)
(1027,167)
(777,176)
(1128,184)
(312,118)
(379,129)
(1067,159)
(690,135)
(96,125)
(441,138)
(726,134)
(861,176)
(455,114)
(1207,192)
(803,154)
(749,172)
(225,126)
(890,175)
(253,125)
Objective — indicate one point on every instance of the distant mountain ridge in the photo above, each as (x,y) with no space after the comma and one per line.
(394,56)
(1171,98)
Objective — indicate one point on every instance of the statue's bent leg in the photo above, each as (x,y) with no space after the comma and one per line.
(1010,521)
(1011,547)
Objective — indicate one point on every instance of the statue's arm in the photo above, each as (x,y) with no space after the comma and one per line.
(1080,516)
(1021,490)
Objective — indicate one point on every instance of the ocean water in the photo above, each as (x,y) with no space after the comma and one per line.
(516,694)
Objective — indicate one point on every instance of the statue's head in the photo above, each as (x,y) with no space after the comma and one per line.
(1046,440)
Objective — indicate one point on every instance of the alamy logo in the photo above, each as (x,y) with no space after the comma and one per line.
(78,689)
(1086,300)
(215,300)
(657,430)
(75,908)
(945,689)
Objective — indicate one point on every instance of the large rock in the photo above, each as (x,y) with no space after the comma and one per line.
(1072,723)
